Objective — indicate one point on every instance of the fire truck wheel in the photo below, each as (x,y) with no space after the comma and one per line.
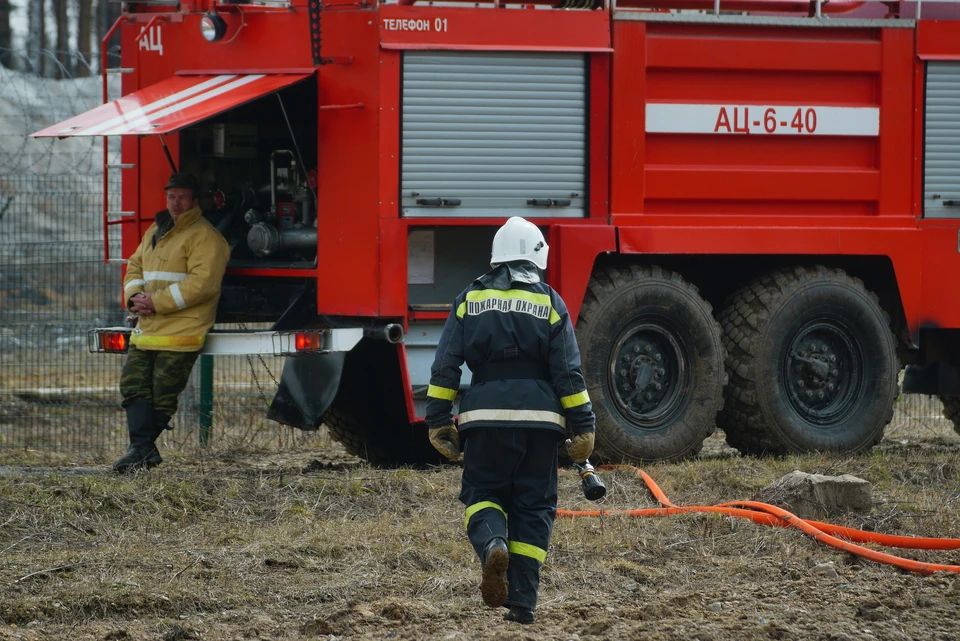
(812,364)
(652,356)
(951,410)
(380,447)
(369,415)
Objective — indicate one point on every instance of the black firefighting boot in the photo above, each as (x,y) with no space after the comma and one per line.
(142,452)
(493,586)
(519,614)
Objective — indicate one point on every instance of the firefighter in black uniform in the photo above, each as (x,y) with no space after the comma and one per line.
(515,334)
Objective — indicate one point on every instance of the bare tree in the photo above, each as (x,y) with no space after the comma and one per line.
(36,34)
(63,32)
(107,13)
(84,30)
(6,35)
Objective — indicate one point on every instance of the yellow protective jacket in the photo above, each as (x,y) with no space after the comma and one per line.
(182,269)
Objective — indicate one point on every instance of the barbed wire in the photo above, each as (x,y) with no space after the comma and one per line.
(31,99)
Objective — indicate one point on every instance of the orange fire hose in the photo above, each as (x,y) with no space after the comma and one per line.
(841,538)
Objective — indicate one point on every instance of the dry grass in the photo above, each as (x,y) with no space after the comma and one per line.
(239,542)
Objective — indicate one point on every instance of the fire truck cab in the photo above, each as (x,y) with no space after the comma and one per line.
(752,205)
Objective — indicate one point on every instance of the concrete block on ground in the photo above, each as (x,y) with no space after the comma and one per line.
(816,495)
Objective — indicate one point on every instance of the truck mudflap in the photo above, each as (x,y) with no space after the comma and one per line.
(308,385)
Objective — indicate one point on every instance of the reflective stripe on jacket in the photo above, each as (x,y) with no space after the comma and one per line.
(182,269)
(512,320)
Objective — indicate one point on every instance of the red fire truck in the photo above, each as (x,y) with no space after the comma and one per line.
(752,207)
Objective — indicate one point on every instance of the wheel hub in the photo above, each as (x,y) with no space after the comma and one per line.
(823,372)
(646,368)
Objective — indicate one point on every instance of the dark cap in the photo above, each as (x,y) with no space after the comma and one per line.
(186,181)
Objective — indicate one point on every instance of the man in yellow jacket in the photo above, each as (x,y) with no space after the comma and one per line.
(173,286)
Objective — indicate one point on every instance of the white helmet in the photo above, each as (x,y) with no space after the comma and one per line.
(519,239)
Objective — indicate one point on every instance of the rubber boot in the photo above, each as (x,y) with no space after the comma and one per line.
(519,614)
(161,422)
(142,452)
(493,586)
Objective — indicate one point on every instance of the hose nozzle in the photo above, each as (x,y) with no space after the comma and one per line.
(593,488)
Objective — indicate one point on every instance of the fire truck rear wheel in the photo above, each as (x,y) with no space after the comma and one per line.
(811,361)
(369,414)
(653,359)
(381,447)
(951,410)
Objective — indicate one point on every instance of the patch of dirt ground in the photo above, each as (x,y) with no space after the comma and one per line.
(313,544)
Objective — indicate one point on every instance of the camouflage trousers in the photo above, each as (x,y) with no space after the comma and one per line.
(155,377)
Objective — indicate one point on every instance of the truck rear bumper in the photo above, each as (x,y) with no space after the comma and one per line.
(320,341)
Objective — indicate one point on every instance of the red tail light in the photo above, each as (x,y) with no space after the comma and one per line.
(307,342)
(115,342)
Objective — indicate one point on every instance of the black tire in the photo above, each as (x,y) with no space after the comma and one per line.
(951,410)
(655,326)
(404,445)
(369,414)
(812,364)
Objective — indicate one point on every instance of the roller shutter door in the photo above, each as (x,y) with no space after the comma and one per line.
(493,134)
(941,173)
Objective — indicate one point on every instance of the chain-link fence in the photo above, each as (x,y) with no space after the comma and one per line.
(917,414)
(55,287)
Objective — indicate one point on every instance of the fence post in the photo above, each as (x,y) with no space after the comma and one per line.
(206,399)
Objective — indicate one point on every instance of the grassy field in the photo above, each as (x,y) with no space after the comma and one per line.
(237,543)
